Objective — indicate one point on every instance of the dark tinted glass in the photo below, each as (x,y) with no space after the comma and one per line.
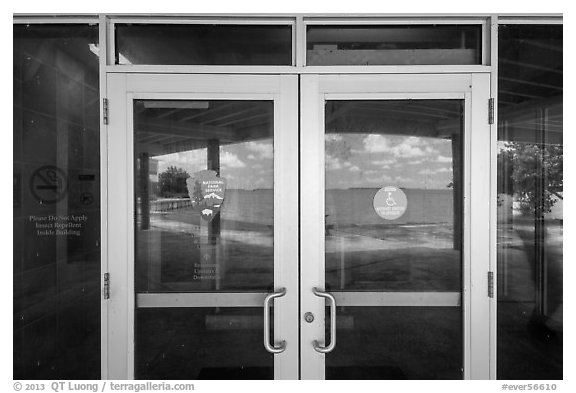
(530,202)
(201,343)
(379,343)
(203,44)
(389,45)
(56,202)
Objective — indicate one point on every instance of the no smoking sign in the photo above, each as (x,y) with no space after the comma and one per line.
(49,184)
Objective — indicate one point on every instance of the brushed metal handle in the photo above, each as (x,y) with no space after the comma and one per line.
(332,345)
(267,300)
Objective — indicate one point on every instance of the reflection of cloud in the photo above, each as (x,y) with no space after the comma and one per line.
(428,171)
(332,163)
(443,159)
(375,143)
(261,150)
(384,162)
(191,161)
(333,138)
(261,183)
(354,168)
(230,160)
(405,150)
(378,179)
(414,162)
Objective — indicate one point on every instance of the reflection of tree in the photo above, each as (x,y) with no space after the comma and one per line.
(172,182)
(197,195)
(533,173)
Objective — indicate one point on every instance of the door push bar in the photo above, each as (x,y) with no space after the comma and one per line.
(267,300)
(315,343)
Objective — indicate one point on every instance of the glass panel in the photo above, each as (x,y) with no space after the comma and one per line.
(201,343)
(397,343)
(56,182)
(388,45)
(203,44)
(394,195)
(204,190)
(530,199)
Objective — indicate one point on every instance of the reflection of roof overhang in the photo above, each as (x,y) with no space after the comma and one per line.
(429,118)
(162,130)
(526,122)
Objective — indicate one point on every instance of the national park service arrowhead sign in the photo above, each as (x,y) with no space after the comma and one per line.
(206,192)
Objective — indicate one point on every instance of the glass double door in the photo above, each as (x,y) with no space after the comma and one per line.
(250,238)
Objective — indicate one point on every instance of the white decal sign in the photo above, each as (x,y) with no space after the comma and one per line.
(390,203)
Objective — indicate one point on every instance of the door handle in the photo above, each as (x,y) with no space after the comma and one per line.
(315,343)
(267,300)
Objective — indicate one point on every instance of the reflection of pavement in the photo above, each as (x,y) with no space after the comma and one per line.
(179,256)
(407,257)
(370,238)
(523,333)
(247,237)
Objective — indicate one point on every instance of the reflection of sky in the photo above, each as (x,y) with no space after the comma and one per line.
(248,165)
(352,160)
(375,160)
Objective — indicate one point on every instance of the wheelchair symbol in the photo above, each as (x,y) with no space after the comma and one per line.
(390,200)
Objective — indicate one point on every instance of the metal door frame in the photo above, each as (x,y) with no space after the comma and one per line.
(119,310)
(474,88)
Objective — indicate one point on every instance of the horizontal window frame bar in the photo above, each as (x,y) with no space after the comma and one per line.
(45,20)
(393,96)
(204,21)
(280,18)
(331,16)
(256,299)
(530,21)
(395,21)
(194,300)
(224,69)
(398,299)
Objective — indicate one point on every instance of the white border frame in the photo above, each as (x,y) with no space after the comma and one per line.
(106,37)
(475,90)
(123,89)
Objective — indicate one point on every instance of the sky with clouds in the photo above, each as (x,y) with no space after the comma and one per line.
(352,160)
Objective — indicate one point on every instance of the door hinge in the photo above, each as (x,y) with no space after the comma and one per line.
(106,290)
(491,111)
(490,284)
(105,111)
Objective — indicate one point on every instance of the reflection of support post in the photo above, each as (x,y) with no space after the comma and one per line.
(539,223)
(457,164)
(144,180)
(213,164)
(342,264)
